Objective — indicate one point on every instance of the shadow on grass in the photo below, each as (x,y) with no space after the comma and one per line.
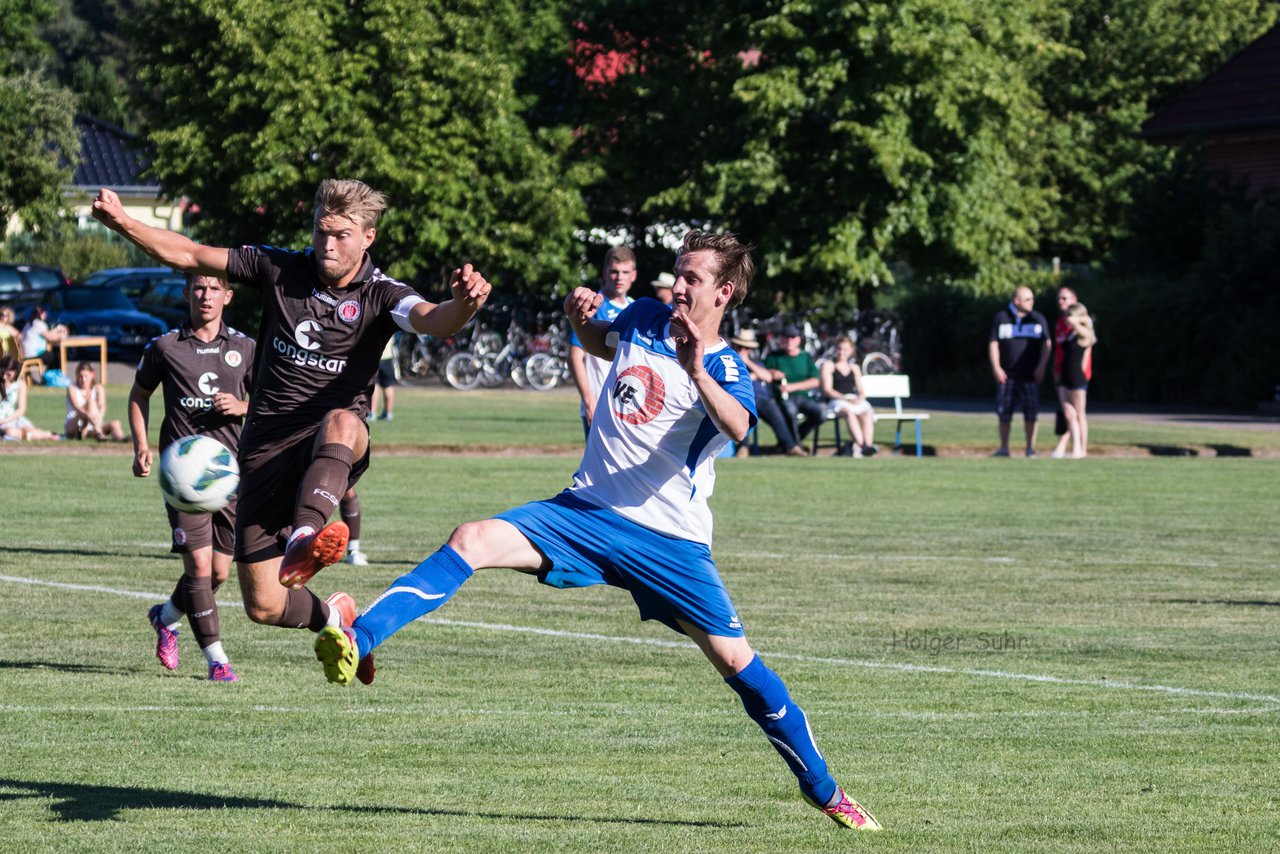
(78,552)
(1170,450)
(63,666)
(85,802)
(1239,603)
(1232,450)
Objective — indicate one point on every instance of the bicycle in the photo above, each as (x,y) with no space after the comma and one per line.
(548,365)
(468,369)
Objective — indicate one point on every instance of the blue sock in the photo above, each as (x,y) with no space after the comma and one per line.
(427,587)
(768,704)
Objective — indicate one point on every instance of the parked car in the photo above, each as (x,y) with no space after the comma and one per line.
(103,310)
(24,283)
(154,290)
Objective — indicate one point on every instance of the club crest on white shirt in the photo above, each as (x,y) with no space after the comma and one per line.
(639,394)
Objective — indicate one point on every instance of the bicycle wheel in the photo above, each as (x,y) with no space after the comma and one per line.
(543,371)
(492,370)
(877,363)
(463,371)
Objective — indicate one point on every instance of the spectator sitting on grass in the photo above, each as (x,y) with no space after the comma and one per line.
(14,423)
(87,408)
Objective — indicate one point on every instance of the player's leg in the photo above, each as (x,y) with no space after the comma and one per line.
(202,610)
(341,442)
(472,546)
(267,483)
(189,531)
(767,702)
(349,510)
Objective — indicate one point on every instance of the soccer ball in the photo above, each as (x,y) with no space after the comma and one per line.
(198,475)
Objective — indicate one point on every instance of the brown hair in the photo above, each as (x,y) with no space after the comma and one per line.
(734,257)
(351,199)
(191,280)
(618,255)
(8,363)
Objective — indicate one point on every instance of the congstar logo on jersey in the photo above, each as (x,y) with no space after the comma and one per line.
(206,385)
(304,352)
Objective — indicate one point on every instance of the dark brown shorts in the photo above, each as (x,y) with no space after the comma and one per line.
(269,479)
(192,531)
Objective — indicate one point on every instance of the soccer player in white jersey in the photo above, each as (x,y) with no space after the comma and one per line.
(589,371)
(636,516)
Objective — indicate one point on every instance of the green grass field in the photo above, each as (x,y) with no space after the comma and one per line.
(995,655)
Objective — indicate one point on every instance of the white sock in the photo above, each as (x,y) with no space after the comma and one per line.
(213,652)
(301,532)
(353,546)
(170,616)
(335,618)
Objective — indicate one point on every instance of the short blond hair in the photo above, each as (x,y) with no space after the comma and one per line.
(354,200)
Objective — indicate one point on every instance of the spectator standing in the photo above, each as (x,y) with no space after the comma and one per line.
(385,381)
(842,387)
(14,423)
(662,287)
(619,274)
(87,408)
(796,381)
(10,336)
(769,411)
(1073,372)
(1018,348)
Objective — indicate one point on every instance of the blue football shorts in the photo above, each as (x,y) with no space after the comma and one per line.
(669,578)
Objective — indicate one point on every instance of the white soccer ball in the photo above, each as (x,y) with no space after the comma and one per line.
(198,474)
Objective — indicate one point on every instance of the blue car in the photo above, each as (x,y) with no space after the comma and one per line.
(104,311)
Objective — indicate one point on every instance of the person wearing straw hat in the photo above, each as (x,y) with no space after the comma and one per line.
(746,344)
(662,288)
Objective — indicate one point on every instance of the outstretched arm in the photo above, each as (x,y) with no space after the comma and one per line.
(470,291)
(168,247)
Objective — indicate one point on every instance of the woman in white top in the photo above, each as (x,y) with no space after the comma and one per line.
(87,408)
(842,387)
(14,423)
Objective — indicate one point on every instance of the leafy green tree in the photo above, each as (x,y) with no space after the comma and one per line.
(256,101)
(1124,61)
(37,133)
(841,136)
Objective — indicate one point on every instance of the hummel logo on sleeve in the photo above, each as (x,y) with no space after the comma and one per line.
(730,369)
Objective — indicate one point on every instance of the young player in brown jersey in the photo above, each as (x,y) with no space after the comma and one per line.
(327,314)
(206,369)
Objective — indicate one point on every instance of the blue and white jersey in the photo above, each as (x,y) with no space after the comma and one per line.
(652,446)
(597,368)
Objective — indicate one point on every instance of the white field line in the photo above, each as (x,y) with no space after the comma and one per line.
(1113,685)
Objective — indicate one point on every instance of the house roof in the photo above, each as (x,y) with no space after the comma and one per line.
(110,157)
(1243,95)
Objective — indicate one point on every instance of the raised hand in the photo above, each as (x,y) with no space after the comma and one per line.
(688,341)
(581,305)
(469,286)
(107,208)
